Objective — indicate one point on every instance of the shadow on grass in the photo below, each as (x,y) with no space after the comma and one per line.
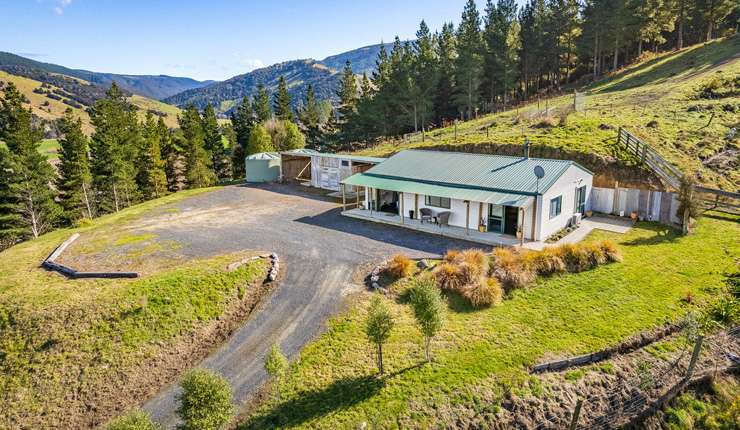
(308,405)
(661,234)
(689,64)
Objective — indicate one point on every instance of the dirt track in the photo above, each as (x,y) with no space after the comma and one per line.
(319,250)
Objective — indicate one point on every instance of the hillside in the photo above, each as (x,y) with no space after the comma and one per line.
(686,104)
(363,59)
(50,102)
(156,87)
(298,74)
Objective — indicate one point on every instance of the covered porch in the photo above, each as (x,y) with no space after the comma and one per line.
(451,231)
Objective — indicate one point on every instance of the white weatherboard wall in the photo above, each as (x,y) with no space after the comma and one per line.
(328,172)
(457,209)
(565,186)
(651,205)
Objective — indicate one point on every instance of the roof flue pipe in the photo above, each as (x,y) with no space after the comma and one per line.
(526,148)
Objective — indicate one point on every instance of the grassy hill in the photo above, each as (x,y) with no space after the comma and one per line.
(663,100)
(51,109)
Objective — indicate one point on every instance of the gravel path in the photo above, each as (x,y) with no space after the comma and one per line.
(319,251)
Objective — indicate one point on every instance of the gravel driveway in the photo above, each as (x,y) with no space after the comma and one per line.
(319,251)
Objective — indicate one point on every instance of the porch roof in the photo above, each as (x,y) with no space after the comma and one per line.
(438,190)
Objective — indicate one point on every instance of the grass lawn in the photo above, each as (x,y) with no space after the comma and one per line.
(50,148)
(479,352)
(71,351)
(662,89)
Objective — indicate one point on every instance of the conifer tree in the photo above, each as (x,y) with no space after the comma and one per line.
(151,176)
(172,157)
(444,105)
(198,171)
(282,103)
(214,144)
(113,151)
(74,181)
(309,116)
(347,93)
(236,151)
(27,203)
(261,104)
(424,76)
(500,50)
(242,121)
(469,63)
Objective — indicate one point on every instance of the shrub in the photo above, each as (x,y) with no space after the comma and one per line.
(134,420)
(726,310)
(576,258)
(512,270)
(400,266)
(484,293)
(205,402)
(547,262)
(428,308)
(612,253)
(452,256)
(546,122)
(596,253)
(448,277)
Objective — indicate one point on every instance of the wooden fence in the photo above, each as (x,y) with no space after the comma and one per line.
(711,198)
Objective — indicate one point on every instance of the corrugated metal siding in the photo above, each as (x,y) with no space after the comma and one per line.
(495,172)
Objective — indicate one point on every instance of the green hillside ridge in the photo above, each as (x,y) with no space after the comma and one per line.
(51,109)
(664,89)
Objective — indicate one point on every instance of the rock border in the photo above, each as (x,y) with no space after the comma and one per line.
(50,264)
(272,273)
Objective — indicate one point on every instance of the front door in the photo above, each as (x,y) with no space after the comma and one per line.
(511,219)
(580,200)
(495,218)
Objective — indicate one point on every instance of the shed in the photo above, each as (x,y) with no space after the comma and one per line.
(262,167)
(323,170)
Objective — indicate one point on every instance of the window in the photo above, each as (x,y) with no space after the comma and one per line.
(555,206)
(580,200)
(345,163)
(438,202)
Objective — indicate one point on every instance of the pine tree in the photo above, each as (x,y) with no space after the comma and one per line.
(74,181)
(214,144)
(713,12)
(151,177)
(424,76)
(242,120)
(444,106)
(198,168)
(309,116)
(236,151)
(172,157)
(500,50)
(113,151)
(261,104)
(27,202)
(468,64)
(282,102)
(347,93)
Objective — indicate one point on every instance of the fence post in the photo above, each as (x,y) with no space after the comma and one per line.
(694,356)
(576,414)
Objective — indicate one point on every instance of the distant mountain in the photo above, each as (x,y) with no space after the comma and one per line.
(363,59)
(298,74)
(155,87)
(324,75)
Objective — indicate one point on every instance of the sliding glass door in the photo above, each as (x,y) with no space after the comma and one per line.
(496,218)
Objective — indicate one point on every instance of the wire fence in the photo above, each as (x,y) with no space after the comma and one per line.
(640,394)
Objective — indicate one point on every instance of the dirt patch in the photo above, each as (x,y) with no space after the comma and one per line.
(91,404)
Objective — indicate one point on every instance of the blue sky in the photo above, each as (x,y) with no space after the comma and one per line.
(206,39)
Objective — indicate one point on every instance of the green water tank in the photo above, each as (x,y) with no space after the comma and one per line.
(262,167)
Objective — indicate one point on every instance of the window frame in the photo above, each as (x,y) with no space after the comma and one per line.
(440,200)
(558,201)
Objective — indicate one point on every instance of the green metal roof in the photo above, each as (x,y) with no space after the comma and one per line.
(458,170)
(264,156)
(405,186)
(301,151)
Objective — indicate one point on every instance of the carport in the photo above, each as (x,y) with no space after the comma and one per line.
(322,170)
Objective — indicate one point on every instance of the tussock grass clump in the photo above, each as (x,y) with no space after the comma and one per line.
(400,266)
(576,257)
(511,269)
(486,292)
(448,276)
(612,253)
(547,122)
(547,262)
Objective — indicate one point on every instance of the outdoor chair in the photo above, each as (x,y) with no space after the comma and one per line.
(443,219)
(426,215)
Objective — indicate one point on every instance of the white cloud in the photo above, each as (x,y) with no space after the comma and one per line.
(61,5)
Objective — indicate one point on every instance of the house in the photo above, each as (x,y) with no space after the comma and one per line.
(484,195)
(323,170)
